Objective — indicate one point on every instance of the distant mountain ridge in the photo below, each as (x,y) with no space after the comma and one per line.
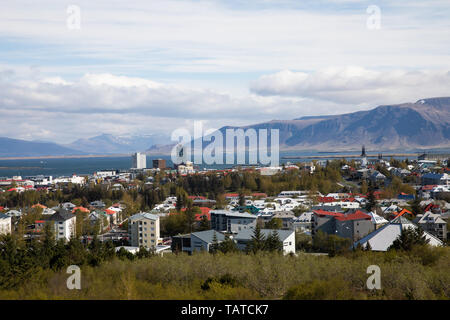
(423,124)
(109,144)
(21,148)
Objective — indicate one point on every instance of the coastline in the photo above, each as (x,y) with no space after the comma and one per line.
(68,157)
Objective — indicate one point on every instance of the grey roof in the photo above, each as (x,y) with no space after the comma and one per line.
(208,235)
(247,234)
(234,214)
(142,215)
(61,215)
(4,216)
(431,217)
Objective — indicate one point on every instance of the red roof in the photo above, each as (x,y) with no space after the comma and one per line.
(259,194)
(39,205)
(428,187)
(82,209)
(197,197)
(357,215)
(1,208)
(39,221)
(231,195)
(12,189)
(205,212)
(403,212)
(109,211)
(321,212)
(326,199)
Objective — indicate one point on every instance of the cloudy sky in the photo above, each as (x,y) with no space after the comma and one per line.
(140,67)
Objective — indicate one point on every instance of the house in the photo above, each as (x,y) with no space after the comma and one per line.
(202,241)
(377,177)
(377,220)
(354,226)
(382,238)
(436,179)
(64,223)
(144,230)
(98,204)
(5,224)
(68,206)
(432,223)
(304,221)
(231,221)
(14,213)
(286,236)
(287,217)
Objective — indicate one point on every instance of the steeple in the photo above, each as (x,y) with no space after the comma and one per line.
(363,152)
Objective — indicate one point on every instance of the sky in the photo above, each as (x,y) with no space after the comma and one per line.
(77,69)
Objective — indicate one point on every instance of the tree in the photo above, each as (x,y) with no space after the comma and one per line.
(416,208)
(204,224)
(214,244)
(228,245)
(275,223)
(273,242)
(409,238)
(257,242)
(371,200)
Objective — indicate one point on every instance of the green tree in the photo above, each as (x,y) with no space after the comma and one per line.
(275,223)
(257,241)
(273,242)
(409,238)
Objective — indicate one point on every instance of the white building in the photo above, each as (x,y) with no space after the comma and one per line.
(381,239)
(64,223)
(5,224)
(139,161)
(285,236)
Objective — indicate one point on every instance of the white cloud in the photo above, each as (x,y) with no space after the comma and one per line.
(355,85)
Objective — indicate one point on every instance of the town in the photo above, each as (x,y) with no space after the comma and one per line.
(323,207)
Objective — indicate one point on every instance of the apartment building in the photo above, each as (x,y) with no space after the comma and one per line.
(64,224)
(5,224)
(232,221)
(144,230)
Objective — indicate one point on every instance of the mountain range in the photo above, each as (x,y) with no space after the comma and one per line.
(420,125)
(424,124)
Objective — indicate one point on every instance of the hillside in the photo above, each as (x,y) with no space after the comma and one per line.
(423,124)
(22,148)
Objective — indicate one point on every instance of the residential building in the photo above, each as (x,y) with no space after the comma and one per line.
(382,238)
(433,223)
(353,225)
(5,224)
(231,221)
(287,218)
(286,236)
(159,164)
(139,161)
(144,230)
(63,223)
(436,179)
(202,241)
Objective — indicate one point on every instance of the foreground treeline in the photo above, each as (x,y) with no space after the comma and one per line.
(421,273)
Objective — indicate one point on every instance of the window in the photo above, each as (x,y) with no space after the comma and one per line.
(145,222)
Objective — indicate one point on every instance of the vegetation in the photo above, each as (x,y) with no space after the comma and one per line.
(265,275)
